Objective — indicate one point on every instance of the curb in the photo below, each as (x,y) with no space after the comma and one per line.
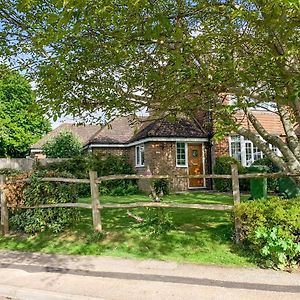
(18,293)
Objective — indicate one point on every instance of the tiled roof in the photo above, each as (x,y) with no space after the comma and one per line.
(182,128)
(123,130)
(269,120)
(83,132)
(118,131)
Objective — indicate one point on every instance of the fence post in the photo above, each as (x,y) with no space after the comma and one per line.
(236,200)
(4,209)
(95,201)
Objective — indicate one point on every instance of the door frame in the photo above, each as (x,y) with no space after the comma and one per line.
(203,165)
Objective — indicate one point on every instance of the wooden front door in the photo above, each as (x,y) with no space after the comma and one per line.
(195,159)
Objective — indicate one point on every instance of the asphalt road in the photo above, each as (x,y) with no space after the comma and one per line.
(54,277)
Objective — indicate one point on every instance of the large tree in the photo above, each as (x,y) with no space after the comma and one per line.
(21,119)
(173,56)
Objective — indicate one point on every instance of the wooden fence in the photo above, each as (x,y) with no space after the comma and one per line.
(96,205)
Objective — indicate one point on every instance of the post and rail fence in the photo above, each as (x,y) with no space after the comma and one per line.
(96,205)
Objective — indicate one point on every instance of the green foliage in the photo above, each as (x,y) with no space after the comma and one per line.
(64,145)
(104,165)
(196,56)
(278,250)
(223,166)
(156,222)
(37,192)
(95,236)
(161,186)
(9,172)
(114,165)
(272,229)
(21,119)
(272,182)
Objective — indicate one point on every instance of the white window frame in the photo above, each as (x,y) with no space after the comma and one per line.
(185,154)
(139,149)
(243,142)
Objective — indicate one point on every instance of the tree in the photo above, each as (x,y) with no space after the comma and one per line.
(21,120)
(64,145)
(172,56)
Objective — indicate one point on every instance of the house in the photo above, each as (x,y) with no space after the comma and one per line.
(164,147)
(84,133)
(183,147)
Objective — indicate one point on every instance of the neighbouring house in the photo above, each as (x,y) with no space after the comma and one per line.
(163,147)
(83,132)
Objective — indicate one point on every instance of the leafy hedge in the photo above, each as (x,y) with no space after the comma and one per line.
(223,166)
(36,192)
(9,172)
(272,229)
(103,165)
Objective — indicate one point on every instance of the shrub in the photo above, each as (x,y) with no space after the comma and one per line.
(271,227)
(223,166)
(104,165)
(64,145)
(37,192)
(77,166)
(272,182)
(161,186)
(9,172)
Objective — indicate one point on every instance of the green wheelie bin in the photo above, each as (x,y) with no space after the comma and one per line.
(258,186)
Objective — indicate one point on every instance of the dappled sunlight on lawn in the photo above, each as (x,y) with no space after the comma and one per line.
(201,236)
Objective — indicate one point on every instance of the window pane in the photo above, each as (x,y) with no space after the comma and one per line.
(137,155)
(180,154)
(236,147)
(248,149)
(257,153)
(142,157)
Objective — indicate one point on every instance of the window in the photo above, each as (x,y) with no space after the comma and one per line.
(181,154)
(235,147)
(257,154)
(139,156)
(245,151)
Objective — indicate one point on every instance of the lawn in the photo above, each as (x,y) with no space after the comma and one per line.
(199,236)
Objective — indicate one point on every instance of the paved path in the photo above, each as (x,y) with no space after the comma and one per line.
(45,276)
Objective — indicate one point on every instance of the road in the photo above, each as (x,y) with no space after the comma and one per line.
(54,277)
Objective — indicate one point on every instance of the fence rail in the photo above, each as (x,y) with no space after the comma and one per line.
(96,206)
(206,176)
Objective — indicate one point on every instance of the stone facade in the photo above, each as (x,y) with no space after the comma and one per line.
(118,151)
(160,158)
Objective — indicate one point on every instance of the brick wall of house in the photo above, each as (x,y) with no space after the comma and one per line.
(221,148)
(112,151)
(160,157)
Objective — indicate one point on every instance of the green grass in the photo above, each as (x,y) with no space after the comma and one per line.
(200,236)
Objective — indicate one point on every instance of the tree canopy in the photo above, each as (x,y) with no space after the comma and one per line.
(64,145)
(173,56)
(21,119)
